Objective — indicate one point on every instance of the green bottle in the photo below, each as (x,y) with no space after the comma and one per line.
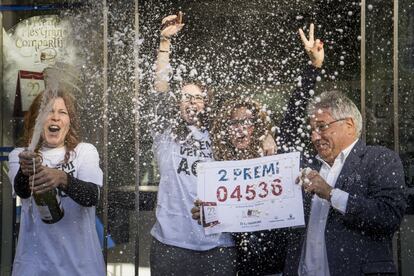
(50,206)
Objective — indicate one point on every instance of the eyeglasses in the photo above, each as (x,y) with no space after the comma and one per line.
(320,128)
(242,122)
(188,97)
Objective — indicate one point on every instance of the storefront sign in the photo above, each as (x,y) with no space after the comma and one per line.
(29,85)
(32,45)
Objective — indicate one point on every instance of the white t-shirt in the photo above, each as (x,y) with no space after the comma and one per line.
(178,190)
(71,245)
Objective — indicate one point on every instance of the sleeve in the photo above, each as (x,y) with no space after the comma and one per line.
(88,168)
(21,185)
(85,187)
(82,192)
(14,166)
(295,116)
(339,200)
(381,210)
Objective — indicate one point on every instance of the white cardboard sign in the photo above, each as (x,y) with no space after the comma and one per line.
(250,195)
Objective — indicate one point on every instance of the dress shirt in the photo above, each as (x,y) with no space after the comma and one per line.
(314,260)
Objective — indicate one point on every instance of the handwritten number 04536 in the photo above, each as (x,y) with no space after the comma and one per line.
(250,193)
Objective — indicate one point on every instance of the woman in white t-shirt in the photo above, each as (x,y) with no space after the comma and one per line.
(179,245)
(181,141)
(69,246)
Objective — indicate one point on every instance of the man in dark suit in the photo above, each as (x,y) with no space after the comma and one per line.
(354,198)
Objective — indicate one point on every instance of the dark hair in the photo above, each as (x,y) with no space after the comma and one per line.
(223,149)
(72,138)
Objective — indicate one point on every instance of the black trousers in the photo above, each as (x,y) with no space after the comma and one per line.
(171,260)
(261,252)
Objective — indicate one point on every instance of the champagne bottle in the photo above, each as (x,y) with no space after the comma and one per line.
(50,206)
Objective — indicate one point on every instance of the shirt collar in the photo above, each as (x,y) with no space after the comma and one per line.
(341,156)
(197,133)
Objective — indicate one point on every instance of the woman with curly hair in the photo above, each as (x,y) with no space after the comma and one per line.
(180,141)
(237,130)
(236,135)
(61,245)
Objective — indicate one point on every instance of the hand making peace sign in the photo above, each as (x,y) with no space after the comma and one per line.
(313,47)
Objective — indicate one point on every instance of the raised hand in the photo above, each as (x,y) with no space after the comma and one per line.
(171,25)
(313,47)
(269,145)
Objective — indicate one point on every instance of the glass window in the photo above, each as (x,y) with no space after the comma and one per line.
(406,127)
(234,47)
(240,48)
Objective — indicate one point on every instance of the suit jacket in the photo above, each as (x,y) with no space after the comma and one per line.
(360,241)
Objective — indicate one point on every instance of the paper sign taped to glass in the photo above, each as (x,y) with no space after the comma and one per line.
(250,195)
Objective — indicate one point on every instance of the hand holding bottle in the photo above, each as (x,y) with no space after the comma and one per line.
(48,179)
(26,162)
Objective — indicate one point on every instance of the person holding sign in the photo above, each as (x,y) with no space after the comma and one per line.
(179,245)
(60,163)
(236,135)
(179,145)
(355,197)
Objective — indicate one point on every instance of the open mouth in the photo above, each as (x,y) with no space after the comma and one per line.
(191,111)
(240,138)
(321,146)
(53,128)
(240,135)
(240,141)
